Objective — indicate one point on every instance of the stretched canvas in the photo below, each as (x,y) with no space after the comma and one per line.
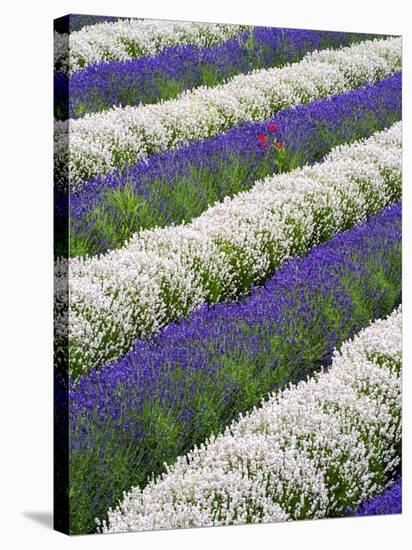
(227,274)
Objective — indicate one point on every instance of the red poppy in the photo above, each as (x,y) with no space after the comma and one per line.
(279,146)
(272,127)
(263,145)
(261,137)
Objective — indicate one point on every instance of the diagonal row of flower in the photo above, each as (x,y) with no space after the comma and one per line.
(176,186)
(121,136)
(152,78)
(162,274)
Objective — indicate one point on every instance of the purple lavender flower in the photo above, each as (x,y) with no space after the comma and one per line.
(387,502)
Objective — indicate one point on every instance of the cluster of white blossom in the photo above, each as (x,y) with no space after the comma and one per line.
(102,141)
(309,451)
(131,38)
(163,273)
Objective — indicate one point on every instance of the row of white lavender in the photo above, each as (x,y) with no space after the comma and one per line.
(163,273)
(309,451)
(118,137)
(131,38)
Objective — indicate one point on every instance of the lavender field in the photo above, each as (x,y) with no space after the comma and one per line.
(228,245)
